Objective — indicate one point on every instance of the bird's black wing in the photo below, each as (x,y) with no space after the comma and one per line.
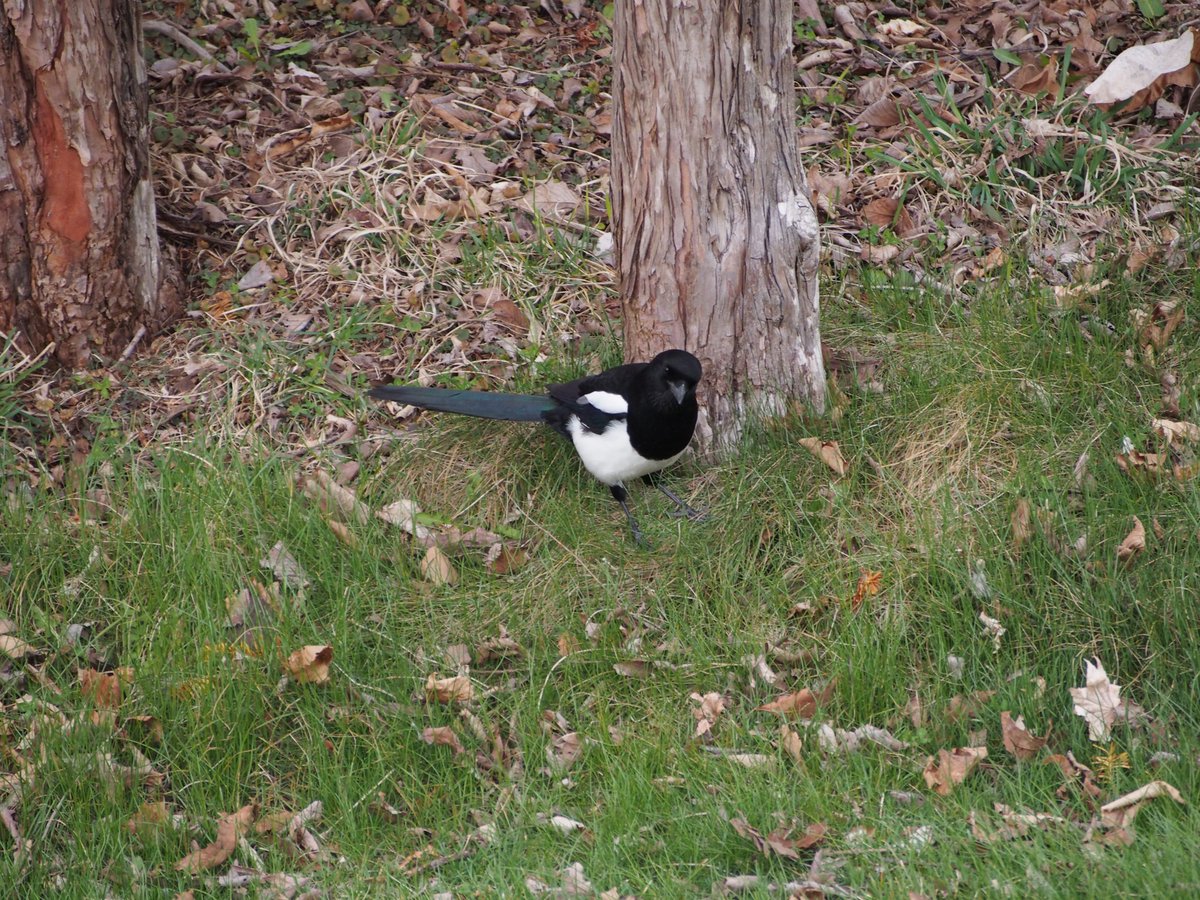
(616,380)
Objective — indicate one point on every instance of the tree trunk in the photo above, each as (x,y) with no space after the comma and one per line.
(79,255)
(717,243)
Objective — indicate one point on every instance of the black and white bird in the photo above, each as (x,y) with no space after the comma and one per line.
(627,422)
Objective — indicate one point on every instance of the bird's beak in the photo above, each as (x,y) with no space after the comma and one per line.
(678,390)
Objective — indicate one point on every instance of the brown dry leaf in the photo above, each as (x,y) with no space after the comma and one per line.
(711,705)
(153,815)
(951,767)
(801,704)
(1176,432)
(456,689)
(1156,325)
(884,112)
(868,586)
(15,648)
(889,212)
(551,198)
(284,567)
(1033,78)
(443,736)
(403,514)
(1134,543)
(1098,701)
(634,668)
(994,260)
(826,451)
(505,558)
(1120,812)
(1076,773)
(333,497)
(961,707)
(1137,461)
(791,744)
(564,751)
(103,689)
(309,665)
(504,309)
(779,842)
(1015,824)
(437,568)
(502,646)
(228,829)
(1017,738)
(567,644)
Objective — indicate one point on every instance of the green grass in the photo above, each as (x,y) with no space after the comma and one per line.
(960,433)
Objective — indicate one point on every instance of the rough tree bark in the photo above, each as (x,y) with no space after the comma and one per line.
(717,242)
(79,253)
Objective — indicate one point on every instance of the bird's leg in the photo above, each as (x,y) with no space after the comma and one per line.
(682,509)
(621,495)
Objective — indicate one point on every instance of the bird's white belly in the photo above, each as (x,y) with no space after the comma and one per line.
(609,456)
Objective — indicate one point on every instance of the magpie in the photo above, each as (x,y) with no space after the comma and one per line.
(627,422)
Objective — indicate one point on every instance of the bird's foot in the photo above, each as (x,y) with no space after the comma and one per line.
(690,513)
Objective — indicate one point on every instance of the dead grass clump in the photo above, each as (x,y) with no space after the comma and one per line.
(960,448)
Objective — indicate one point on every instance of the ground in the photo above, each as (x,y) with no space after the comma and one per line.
(219,604)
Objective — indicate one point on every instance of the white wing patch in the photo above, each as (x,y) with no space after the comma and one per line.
(606,401)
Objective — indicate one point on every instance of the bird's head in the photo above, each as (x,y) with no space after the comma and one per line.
(676,371)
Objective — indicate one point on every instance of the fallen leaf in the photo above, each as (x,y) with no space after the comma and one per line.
(443,736)
(1134,543)
(951,767)
(1137,68)
(840,740)
(309,665)
(779,842)
(331,497)
(826,451)
(868,586)
(1120,812)
(15,648)
(635,668)
(403,514)
(961,707)
(1075,772)
(1017,739)
(551,198)
(1098,702)
(564,751)
(437,568)
(1176,432)
(504,558)
(229,827)
(153,815)
(566,825)
(456,689)
(711,705)
(791,744)
(103,689)
(283,566)
(994,629)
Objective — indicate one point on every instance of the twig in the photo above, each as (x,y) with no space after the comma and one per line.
(157,26)
(132,345)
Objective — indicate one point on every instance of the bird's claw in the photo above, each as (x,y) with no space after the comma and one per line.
(689,513)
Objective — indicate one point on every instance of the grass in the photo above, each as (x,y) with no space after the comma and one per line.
(983,405)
